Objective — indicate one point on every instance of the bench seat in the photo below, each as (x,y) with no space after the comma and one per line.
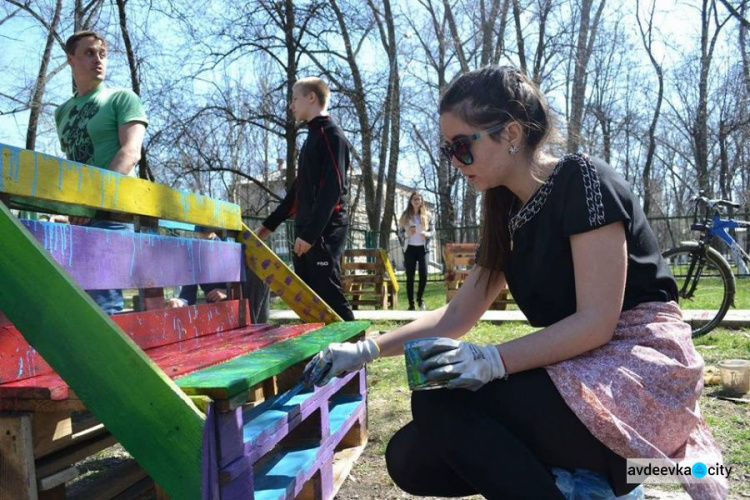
(175,359)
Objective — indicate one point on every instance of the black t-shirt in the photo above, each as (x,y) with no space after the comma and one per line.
(581,194)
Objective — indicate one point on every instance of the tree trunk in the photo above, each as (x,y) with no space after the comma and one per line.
(395,125)
(41,80)
(586,37)
(290,134)
(646,38)
(144,170)
(359,101)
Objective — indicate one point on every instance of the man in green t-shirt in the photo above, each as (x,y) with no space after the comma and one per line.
(101,127)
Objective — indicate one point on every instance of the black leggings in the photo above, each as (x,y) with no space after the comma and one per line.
(499,442)
(415,255)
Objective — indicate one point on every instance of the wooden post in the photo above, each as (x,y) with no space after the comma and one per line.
(17,474)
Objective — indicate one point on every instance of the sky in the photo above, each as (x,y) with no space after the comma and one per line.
(22,40)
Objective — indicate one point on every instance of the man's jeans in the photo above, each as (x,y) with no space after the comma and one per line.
(109,300)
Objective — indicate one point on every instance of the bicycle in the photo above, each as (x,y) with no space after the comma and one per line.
(703,275)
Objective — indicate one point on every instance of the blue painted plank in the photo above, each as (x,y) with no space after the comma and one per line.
(341,409)
(277,478)
(267,417)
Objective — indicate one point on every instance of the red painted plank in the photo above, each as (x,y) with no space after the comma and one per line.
(194,346)
(175,359)
(49,386)
(19,361)
(102,259)
(179,363)
(166,326)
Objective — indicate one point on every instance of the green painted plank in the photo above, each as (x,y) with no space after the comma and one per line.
(153,419)
(42,177)
(232,377)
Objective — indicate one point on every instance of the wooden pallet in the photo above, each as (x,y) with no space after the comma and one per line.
(368,279)
(458,259)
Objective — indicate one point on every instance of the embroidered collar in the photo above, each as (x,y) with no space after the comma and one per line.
(534,204)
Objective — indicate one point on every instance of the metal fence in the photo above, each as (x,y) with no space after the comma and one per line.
(669,231)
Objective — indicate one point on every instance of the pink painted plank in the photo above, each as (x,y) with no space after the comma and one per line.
(102,259)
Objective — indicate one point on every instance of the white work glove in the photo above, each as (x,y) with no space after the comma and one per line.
(338,359)
(462,364)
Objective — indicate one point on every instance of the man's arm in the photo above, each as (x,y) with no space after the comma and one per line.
(131,136)
(286,209)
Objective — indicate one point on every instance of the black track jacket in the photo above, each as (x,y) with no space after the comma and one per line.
(317,198)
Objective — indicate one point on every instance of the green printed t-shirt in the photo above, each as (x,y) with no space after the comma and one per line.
(88,125)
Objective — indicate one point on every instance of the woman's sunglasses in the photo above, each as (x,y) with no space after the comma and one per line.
(461,146)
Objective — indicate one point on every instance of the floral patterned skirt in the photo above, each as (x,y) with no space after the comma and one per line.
(638,394)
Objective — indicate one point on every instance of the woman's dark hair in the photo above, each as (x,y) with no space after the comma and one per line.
(485,97)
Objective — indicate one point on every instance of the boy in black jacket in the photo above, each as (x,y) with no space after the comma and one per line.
(317,199)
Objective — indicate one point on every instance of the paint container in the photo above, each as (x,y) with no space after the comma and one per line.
(735,376)
(416,379)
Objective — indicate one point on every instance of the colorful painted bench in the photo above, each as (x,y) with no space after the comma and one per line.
(197,395)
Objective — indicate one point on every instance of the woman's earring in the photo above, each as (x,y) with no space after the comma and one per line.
(513,150)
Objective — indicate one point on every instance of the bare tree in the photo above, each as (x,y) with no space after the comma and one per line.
(392,131)
(587,29)
(144,171)
(647,37)
(737,14)
(42,77)
(432,38)
(710,29)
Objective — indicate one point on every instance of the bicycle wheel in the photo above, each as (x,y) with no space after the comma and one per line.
(709,287)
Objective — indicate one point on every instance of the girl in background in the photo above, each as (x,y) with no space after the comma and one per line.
(416,231)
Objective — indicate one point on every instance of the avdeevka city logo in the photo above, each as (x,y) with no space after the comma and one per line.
(699,470)
(641,470)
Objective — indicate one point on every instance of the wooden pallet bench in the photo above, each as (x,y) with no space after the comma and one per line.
(188,392)
(368,279)
(458,259)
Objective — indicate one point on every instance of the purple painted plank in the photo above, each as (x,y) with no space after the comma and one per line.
(326,479)
(210,459)
(101,259)
(241,484)
(229,425)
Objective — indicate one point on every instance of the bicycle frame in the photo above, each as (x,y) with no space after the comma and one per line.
(719,229)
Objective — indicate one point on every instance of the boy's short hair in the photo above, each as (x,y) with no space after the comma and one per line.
(72,42)
(317,86)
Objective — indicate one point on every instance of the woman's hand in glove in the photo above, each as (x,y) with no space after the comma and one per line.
(337,359)
(462,364)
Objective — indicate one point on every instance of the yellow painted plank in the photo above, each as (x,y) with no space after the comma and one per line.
(276,274)
(36,175)
(389,269)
